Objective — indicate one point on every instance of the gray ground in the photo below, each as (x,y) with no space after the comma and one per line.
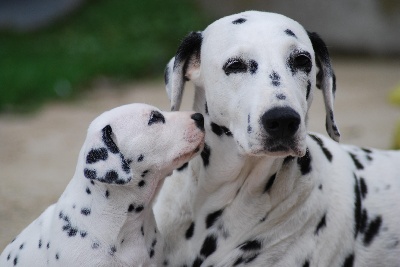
(38,153)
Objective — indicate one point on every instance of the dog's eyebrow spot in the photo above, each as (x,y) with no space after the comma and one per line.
(140,158)
(239,21)
(290,33)
(253,66)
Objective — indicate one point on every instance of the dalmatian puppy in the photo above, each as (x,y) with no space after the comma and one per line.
(264,191)
(105,217)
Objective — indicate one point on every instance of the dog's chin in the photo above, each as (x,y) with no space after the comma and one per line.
(275,149)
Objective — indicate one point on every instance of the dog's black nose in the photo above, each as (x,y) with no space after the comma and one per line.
(281,122)
(199,120)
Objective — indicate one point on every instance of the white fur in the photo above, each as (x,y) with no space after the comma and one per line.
(93,222)
(304,219)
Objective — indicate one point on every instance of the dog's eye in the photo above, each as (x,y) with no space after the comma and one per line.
(302,62)
(156,117)
(234,65)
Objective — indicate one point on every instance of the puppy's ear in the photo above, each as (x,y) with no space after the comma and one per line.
(104,161)
(183,67)
(326,81)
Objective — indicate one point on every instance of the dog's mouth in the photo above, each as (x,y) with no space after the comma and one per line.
(275,147)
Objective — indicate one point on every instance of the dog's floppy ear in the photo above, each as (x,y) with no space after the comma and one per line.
(104,161)
(183,67)
(326,81)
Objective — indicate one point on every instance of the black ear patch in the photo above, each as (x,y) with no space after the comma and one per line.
(191,45)
(107,164)
(239,21)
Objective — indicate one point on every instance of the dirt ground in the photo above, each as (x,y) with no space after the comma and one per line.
(38,152)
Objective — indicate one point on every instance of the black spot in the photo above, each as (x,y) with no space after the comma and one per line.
(249,128)
(320,187)
(305,163)
(90,174)
(95,245)
(358,164)
(88,191)
(209,246)
(326,152)
(15,260)
(349,261)
(21,246)
(364,220)
(107,131)
(239,21)
(275,78)
(372,230)
(57,256)
(85,211)
(72,232)
(48,245)
(184,166)
(253,66)
(281,96)
(213,217)
(113,249)
(92,182)
(111,176)
(125,164)
(40,243)
(363,187)
(142,230)
(288,159)
(141,183)
(205,155)
(151,253)
(357,207)
(9,256)
(197,262)
(107,194)
(306,263)
(96,155)
(144,173)
(250,245)
(321,225)
(139,208)
(308,89)
(140,158)
(83,234)
(131,208)
(290,33)
(206,108)
(165,263)
(270,182)
(190,231)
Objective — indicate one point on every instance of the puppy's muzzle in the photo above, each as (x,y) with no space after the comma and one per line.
(281,123)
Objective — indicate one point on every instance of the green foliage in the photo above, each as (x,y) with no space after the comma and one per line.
(125,39)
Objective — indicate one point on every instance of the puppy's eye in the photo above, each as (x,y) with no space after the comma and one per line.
(156,117)
(235,65)
(302,62)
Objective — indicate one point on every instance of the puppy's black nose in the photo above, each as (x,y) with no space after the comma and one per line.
(281,122)
(199,120)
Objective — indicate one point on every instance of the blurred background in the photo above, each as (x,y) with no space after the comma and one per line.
(63,62)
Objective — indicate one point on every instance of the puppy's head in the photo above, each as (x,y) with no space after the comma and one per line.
(257,72)
(137,138)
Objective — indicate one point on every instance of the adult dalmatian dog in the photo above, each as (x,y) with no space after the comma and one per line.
(264,191)
(105,216)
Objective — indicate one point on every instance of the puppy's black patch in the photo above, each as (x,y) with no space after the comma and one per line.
(96,155)
(349,261)
(372,231)
(190,231)
(250,245)
(321,225)
(209,246)
(290,33)
(213,217)
(275,78)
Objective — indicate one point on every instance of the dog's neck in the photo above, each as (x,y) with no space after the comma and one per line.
(125,211)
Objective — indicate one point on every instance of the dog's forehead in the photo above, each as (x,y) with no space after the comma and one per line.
(253,27)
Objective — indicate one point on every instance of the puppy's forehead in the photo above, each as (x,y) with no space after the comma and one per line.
(253,27)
